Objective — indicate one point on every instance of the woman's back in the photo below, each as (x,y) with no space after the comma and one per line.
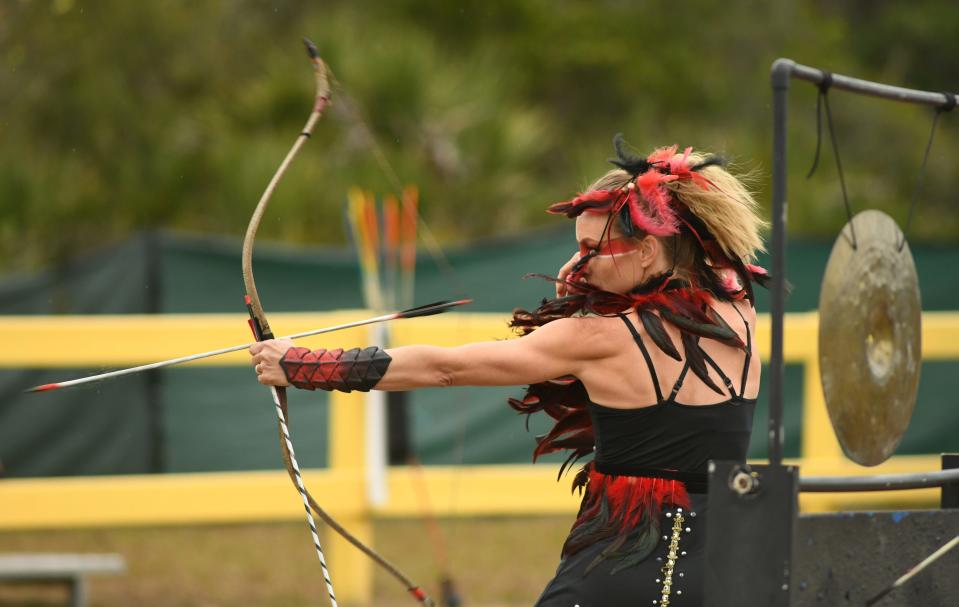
(626,382)
(649,413)
(644,506)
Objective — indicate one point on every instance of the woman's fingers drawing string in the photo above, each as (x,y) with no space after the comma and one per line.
(564,272)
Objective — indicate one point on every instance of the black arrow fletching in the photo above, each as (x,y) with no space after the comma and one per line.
(437,307)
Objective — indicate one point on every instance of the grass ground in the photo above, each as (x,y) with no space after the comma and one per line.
(496,562)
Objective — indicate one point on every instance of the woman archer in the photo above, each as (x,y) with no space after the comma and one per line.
(645,360)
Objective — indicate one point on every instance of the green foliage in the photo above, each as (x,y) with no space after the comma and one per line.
(117,116)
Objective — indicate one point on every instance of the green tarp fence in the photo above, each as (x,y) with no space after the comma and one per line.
(204,419)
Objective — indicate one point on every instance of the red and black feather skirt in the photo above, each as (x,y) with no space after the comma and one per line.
(623,509)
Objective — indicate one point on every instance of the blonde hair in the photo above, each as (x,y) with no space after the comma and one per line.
(725,206)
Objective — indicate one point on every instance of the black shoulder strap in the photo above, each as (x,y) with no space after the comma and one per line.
(649,362)
(749,352)
(679,382)
(726,380)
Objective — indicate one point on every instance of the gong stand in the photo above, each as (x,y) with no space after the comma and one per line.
(759,550)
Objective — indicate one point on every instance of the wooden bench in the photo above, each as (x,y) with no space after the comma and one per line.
(69,569)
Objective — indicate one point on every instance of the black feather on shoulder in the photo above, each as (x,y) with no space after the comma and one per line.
(697,362)
(654,327)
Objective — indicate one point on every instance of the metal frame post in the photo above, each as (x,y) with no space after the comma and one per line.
(781,73)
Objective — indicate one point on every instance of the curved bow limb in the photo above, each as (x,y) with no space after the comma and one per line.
(262,331)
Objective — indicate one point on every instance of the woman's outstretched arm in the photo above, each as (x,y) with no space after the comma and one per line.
(554,350)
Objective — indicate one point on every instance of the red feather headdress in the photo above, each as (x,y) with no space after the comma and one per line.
(659,215)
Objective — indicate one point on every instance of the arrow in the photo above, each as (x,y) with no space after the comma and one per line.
(425,310)
(929,560)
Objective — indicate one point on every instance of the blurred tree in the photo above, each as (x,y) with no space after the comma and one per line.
(116,116)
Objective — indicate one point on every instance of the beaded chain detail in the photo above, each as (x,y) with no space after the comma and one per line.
(671,557)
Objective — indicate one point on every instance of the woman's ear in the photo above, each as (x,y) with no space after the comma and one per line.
(650,248)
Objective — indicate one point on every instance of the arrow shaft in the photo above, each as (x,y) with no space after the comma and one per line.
(435,308)
(912,572)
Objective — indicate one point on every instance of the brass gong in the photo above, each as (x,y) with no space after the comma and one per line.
(869,337)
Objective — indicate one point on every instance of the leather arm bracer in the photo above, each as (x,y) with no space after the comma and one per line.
(355,369)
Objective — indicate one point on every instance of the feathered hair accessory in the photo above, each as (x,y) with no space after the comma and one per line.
(670,194)
(646,203)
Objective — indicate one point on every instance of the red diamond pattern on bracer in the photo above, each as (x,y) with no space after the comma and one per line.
(324,370)
(348,370)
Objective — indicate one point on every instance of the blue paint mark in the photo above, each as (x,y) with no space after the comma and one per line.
(898,516)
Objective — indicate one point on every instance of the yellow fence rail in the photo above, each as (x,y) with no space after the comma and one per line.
(173,499)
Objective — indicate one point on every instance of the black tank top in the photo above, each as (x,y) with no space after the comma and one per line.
(670,439)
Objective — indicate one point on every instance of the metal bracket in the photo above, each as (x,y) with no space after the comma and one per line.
(749,536)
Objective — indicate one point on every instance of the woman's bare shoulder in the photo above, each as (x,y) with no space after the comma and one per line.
(735,313)
(591,336)
(743,306)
